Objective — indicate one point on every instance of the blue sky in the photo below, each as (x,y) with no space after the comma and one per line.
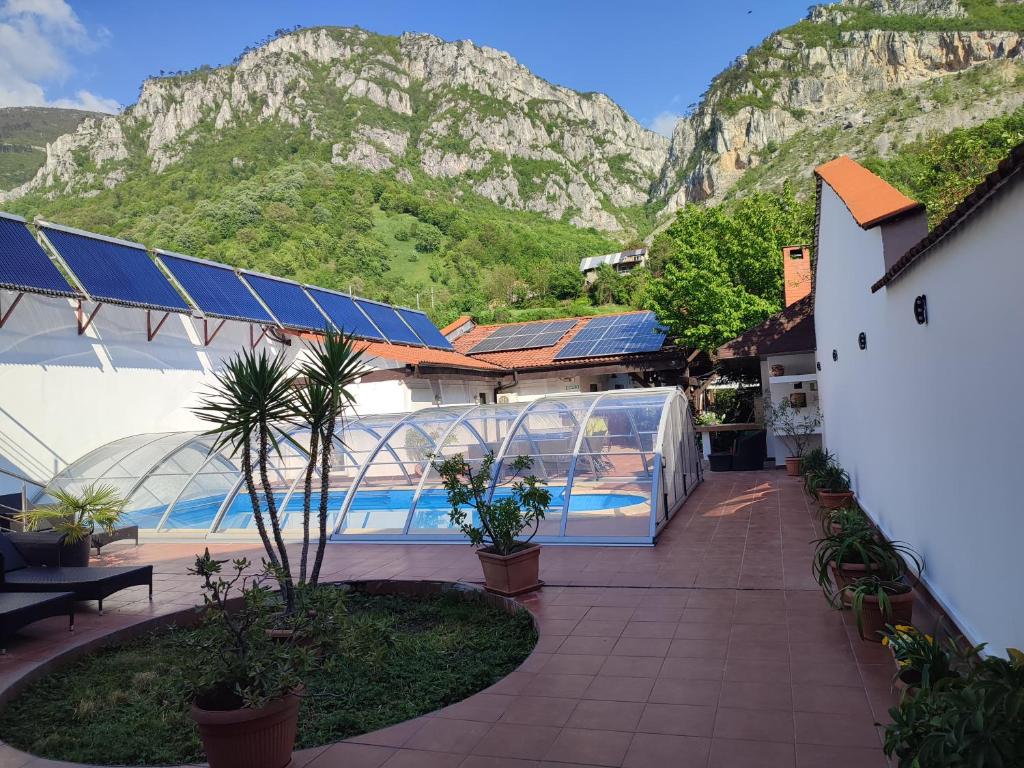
(654,57)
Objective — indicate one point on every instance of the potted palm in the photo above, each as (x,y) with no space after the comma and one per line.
(495,521)
(75,516)
(795,426)
(831,484)
(246,681)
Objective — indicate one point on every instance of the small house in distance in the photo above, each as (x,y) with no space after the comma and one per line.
(622,262)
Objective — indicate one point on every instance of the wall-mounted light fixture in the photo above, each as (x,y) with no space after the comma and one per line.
(921,309)
(818,365)
(835,356)
(862,340)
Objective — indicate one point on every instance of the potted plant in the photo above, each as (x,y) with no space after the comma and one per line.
(75,516)
(794,426)
(494,521)
(831,484)
(846,518)
(814,461)
(921,660)
(845,556)
(961,722)
(878,602)
(247,682)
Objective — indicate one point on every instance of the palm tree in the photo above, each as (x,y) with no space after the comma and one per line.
(332,367)
(311,409)
(248,404)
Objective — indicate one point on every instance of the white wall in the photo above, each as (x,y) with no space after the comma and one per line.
(928,418)
(62,394)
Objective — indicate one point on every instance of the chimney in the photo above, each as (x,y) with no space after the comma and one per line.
(796,272)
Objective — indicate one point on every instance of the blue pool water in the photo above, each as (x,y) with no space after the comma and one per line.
(376,508)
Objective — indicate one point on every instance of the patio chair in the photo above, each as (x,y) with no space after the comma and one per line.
(102,538)
(19,609)
(24,569)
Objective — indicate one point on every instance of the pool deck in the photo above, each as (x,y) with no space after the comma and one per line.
(714,649)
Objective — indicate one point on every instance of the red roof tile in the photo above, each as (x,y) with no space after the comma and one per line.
(870,199)
(414,355)
(452,327)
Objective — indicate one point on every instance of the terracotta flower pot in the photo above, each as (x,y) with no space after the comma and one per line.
(844,574)
(793,466)
(250,738)
(514,574)
(830,500)
(777,370)
(873,622)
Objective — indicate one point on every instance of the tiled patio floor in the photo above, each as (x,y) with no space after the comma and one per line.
(713,649)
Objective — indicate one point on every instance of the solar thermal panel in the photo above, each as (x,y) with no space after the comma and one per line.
(114,271)
(287,301)
(24,265)
(215,288)
(346,316)
(389,322)
(424,328)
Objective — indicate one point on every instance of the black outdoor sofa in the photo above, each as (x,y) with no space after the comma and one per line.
(29,565)
(748,452)
(19,609)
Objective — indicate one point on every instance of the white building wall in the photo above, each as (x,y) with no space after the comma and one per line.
(927,419)
(61,394)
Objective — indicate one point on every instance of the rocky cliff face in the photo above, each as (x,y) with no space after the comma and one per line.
(446,110)
(857,75)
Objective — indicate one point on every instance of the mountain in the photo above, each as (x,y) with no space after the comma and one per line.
(24,134)
(858,76)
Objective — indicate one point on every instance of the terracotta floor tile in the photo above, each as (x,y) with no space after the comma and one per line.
(641,646)
(835,699)
(632,666)
(748,671)
(677,690)
(590,747)
(599,628)
(697,649)
(689,630)
(678,719)
(652,750)
(485,761)
(513,740)
(756,696)
(539,710)
(731,753)
(830,730)
(352,756)
(440,734)
(395,735)
(587,645)
(412,758)
(606,715)
(614,688)
(814,756)
(568,686)
(693,669)
(754,725)
(827,673)
(573,664)
(610,613)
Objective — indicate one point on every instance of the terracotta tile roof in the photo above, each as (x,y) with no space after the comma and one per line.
(521,359)
(452,327)
(786,332)
(869,199)
(414,355)
(1010,169)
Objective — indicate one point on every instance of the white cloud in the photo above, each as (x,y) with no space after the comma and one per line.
(36,37)
(664,123)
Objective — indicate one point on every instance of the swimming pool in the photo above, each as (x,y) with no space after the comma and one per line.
(376,509)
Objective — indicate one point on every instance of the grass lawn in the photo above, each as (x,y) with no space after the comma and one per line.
(127,704)
(406,261)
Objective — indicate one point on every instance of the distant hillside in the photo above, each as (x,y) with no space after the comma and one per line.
(24,134)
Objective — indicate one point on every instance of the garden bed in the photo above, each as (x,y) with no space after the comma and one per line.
(407,655)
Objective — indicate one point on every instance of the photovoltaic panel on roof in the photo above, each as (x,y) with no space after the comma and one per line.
(24,265)
(344,313)
(115,271)
(424,328)
(215,288)
(389,322)
(287,302)
(545,333)
(616,335)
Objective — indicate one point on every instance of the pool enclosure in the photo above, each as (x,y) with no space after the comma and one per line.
(618,464)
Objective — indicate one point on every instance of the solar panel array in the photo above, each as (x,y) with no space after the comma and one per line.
(120,272)
(25,265)
(524,336)
(215,288)
(115,271)
(616,335)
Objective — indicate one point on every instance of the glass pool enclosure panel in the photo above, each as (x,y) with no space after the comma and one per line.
(617,464)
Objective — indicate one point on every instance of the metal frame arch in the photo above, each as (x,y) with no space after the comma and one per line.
(438,446)
(185,443)
(212,455)
(571,474)
(499,457)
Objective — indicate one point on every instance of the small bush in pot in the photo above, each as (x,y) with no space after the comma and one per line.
(76,515)
(963,722)
(923,660)
(846,518)
(795,426)
(831,484)
(844,556)
(495,522)
(812,462)
(878,602)
(246,682)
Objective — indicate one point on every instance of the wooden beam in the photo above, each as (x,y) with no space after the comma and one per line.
(209,337)
(83,321)
(151,332)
